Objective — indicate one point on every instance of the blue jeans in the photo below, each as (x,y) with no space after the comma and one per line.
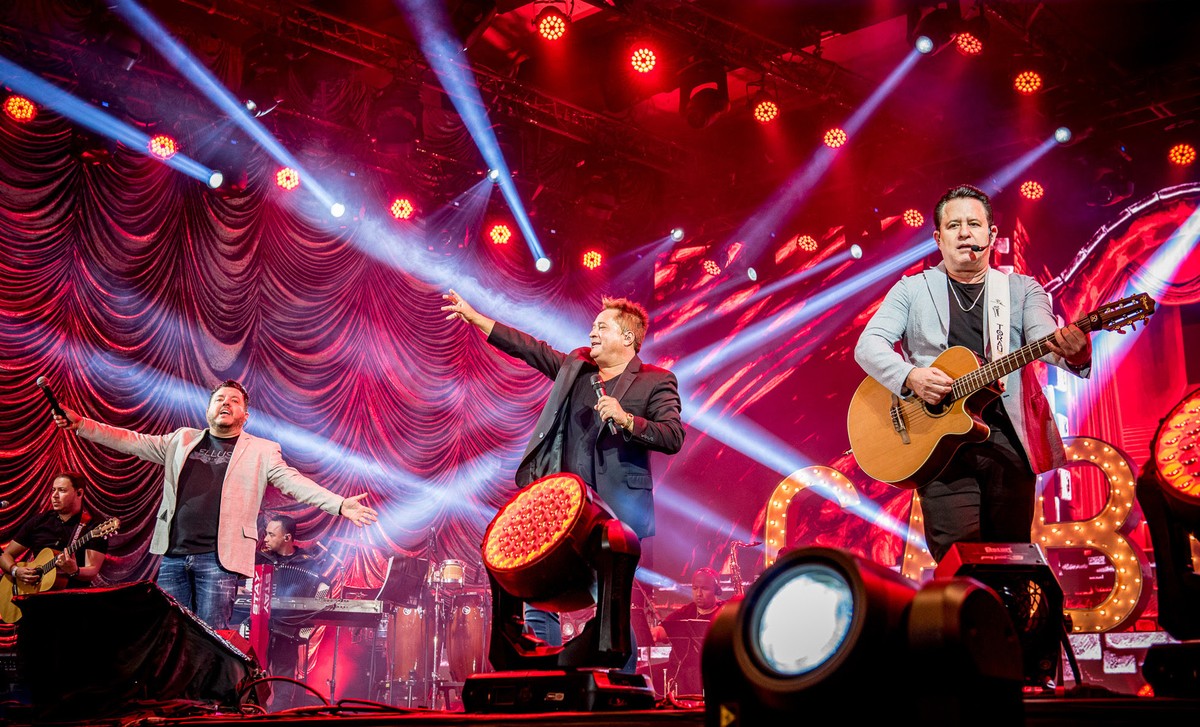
(546,626)
(201,585)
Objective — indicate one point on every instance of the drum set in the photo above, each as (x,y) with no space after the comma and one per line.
(434,644)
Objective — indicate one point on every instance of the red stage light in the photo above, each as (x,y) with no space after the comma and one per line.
(913,218)
(534,521)
(592,259)
(968,44)
(1027,82)
(643,60)
(402,209)
(1031,190)
(500,234)
(287,178)
(551,23)
(807,243)
(765,111)
(711,267)
(1182,154)
(163,146)
(20,109)
(835,138)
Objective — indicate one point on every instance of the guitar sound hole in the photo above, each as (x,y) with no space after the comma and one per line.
(940,408)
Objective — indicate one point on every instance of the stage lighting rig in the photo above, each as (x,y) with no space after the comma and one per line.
(555,545)
(551,22)
(703,93)
(933,32)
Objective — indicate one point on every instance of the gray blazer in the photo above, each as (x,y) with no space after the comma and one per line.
(916,313)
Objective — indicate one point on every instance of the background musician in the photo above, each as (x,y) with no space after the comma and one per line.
(683,669)
(57,528)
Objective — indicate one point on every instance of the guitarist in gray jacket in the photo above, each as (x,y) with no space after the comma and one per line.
(986,491)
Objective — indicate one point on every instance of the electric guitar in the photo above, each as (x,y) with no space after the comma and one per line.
(906,442)
(48,575)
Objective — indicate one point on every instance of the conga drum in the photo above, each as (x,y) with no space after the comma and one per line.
(466,635)
(450,573)
(408,643)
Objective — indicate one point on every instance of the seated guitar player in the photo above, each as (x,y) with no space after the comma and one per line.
(57,529)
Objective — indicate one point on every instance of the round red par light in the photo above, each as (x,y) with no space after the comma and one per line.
(766,111)
(1182,154)
(500,234)
(835,138)
(913,218)
(1027,82)
(592,259)
(968,45)
(643,60)
(402,209)
(163,146)
(287,179)
(551,23)
(1031,190)
(20,109)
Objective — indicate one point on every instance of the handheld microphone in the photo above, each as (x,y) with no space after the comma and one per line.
(598,387)
(45,387)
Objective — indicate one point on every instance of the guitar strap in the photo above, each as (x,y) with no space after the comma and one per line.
(997,317)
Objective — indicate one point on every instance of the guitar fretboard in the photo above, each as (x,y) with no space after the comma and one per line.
(993,371)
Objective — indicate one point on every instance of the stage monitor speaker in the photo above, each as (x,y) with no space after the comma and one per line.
(95,653)
(1019,575)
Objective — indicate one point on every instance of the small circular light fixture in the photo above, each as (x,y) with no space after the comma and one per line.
(215,179)
(1062,135)
(542,264)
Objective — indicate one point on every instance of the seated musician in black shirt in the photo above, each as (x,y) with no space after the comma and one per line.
(57,528)
(297,573)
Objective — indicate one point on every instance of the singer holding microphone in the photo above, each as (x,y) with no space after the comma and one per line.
(986,492)
(606,412)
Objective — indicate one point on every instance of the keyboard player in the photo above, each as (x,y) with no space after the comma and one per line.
(297,573)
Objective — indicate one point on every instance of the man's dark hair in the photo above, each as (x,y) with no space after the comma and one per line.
(231,384)
(631,316)
(286,522)
(962,191)
(74,478)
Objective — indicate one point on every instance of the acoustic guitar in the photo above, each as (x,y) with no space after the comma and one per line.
(906,442)
(48,575)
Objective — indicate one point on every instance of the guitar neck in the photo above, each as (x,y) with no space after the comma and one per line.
(69,551)
(993,371)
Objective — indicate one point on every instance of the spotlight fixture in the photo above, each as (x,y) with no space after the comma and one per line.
(1032,190)
(162,146)
(592,259)
(856,251)
(807,243)
(493,174)
(500,233)
(337,209)
(931,33)
(820,623)
(913,218)
(542,264)
(287,179)
(402,209)
(972,36)
(968,45)
(752,274)
(835,138)
(643,59)
(677,233)
(711,267)
(1027,83)
(216,179)
(765,108)
(20,109)
(1062,135)
(551,23)
(1182,155)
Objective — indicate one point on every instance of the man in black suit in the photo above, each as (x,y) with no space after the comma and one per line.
(572,434)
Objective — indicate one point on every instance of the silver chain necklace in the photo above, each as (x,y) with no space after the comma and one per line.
(958,300)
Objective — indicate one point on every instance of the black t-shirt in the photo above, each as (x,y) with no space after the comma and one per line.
(966,329)
(198,498)
(48,530)
(583,425)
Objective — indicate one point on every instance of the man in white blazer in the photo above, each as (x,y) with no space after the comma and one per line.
(986,492)
(213,486)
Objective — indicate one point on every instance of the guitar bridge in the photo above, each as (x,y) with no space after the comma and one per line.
(898,420)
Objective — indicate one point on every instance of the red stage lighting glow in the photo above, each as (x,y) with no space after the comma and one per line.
(551,23)
(643,60)
(592,259)
(807,243)
(1031,190)
(1182,154)
(20,109)
(835,138)
(711,267)
(968,44)
(913,218)
(1027,82)
(402,209)
(287,179)
(765,111)
(536,519)
(500,234)
(163,146)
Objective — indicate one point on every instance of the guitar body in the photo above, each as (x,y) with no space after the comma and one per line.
(934,434)
(9,612)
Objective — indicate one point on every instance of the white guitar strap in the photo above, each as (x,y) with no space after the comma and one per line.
(997,317)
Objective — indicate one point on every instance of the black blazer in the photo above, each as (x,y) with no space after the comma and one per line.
(622,460)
